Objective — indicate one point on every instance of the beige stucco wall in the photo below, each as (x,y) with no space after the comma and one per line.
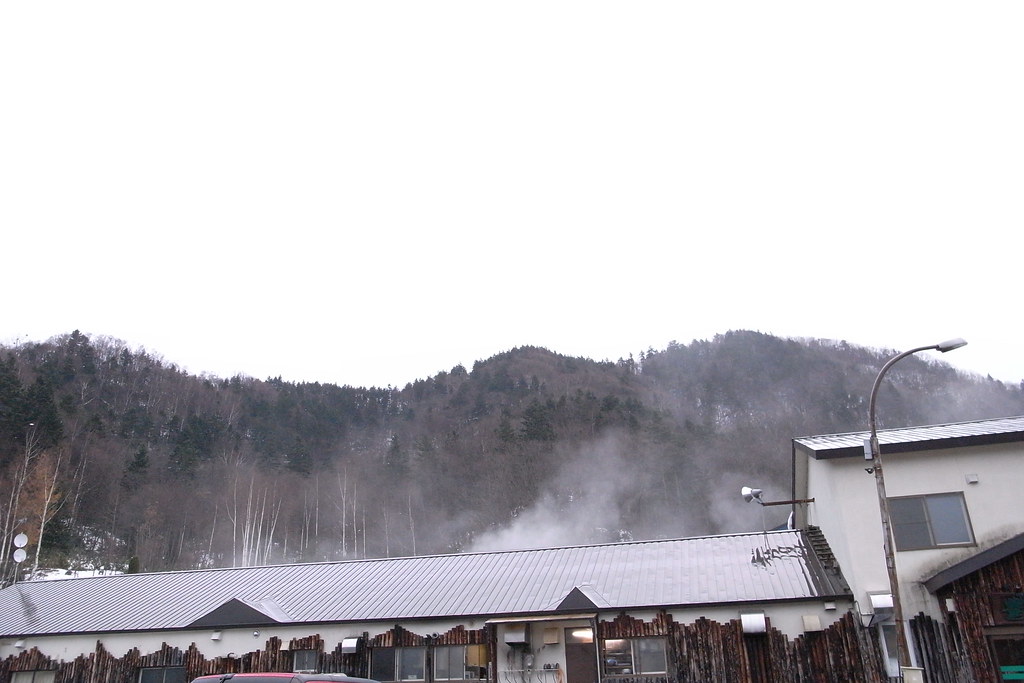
(847,510)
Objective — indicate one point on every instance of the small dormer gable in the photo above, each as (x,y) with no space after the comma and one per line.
(232,613)
(583,597)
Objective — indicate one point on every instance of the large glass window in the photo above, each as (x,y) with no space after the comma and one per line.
(382,664)
(32,676)
(411,663)
(460,662)
(628,656)
(932,521)
(307,661)
(398,663)
(162,674)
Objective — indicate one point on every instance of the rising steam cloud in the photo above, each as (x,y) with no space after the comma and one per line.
(606,492)
(583,504)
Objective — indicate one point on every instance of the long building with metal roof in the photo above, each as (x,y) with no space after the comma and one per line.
(550,615)
(739,569)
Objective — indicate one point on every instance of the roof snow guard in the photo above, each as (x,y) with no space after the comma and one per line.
(752,568)
(910,439)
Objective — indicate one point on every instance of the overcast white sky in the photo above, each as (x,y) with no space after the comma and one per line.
(367,193)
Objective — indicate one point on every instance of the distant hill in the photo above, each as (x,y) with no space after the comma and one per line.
(126,462)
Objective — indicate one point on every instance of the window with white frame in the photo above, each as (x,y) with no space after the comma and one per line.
(162,674)
(32,676)
(931,521)
(306,661)
(398,663)
(460,662)
(631,656)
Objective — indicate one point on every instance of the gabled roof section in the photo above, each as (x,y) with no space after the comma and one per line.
(581,598)
(232,613)
(756,568)
(975,563)
(910,439)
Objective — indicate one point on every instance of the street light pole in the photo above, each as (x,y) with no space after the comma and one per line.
(902,648)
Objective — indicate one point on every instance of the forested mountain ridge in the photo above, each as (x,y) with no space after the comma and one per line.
(117,458)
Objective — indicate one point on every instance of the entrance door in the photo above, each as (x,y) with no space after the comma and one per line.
(580,656)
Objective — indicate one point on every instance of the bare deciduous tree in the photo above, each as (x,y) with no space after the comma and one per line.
(44,498)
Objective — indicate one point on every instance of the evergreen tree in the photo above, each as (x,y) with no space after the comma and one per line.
(41,410)
(13,419)
(537,424)
(136,470)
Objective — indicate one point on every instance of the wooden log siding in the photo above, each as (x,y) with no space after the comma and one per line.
(352,663)
(706,650)
(625,626)
(971,659)
(29,660)
(397,637)
(933,649)
(703,651)
(459,635)
(102,667)
(846,652)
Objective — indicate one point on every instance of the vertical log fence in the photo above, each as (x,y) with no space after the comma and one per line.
(703,651)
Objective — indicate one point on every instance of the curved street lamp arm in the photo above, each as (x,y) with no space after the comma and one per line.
(943,347)
(878,382)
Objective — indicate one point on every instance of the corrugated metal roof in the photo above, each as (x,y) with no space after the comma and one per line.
(978,432)
(738,568)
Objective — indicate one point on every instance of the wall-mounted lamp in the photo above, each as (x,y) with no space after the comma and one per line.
(881,609)
(750,494)
(20,644)
(256,634)
(753,622)
(215,635)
